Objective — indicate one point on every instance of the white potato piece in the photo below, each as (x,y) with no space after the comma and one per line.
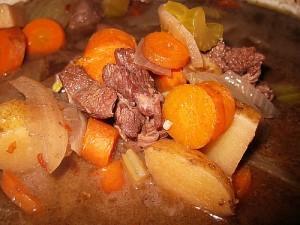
(190,175)
(228,150)
(11,16)
(16,150)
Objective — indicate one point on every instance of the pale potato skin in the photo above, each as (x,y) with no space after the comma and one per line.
(189,175)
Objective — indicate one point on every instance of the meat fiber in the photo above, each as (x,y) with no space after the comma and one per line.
(86,93)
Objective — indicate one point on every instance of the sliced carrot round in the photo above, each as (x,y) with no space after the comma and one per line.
(108,36)
(165,50)
(192,113)
(219,104)
(44,36)
(166,83)
(12,49)
(228,100)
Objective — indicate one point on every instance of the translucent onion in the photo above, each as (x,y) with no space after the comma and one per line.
(171,24)
(140,60)
(240,88)
(46,123)
(76,123)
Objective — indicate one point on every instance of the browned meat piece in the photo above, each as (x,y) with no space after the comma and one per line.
(128,119)
(85,14)
(244,61)
(137,86)
(86,93)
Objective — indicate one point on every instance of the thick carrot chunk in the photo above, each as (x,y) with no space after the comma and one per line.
(163,49)
(99,142)
(166,83)
(17,192)
(12,49)
(112,178)
(44,36)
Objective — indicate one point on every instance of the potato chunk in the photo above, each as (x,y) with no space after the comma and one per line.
(228,150)
(190,175)
(11,16)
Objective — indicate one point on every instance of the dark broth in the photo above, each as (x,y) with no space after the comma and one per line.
(72,194)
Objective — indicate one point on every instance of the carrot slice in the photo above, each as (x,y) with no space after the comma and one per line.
(166,83)
(241,181)
(99,141)
(12,49)
(192,113)
(44,36)
(110,36)
(112,178)
(165,50)
(219,104)
(18,193)
(228,100)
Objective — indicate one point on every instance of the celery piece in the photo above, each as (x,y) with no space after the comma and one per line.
(176,9)
(115,8)
(135,167)
(57,86)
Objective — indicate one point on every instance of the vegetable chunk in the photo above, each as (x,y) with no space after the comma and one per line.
(189,174)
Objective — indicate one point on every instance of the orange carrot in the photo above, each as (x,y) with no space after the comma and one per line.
(99,141)
(241,181)
(163,49)
(101,48)
(193,115)
(228,100)
(18,193)
(112,178)
(12,49)
(166,83)
(44,36)
(219,105)
(110,36)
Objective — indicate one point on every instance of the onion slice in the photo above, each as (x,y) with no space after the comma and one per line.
(76,123)
(240,88)
(140,60)
(46,123)
(170,23)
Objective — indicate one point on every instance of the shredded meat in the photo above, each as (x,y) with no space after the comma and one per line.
(244,61)
(84,15)
(86,93)
(136,86)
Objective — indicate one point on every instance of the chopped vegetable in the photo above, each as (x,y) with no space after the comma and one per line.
(140,60)
(12,49)
(101,48)
(45,125)
(206,35)
(241,181)
(190,175)
(228,150)
(287,93)
(112,177)
(110,35)
(135,167)
(193,114)
(11,16)
(99,142)
(44,36)
(171,24)
(166,83)
(18,193)
(115,8)
(165,50)
(57,86)
(239,87)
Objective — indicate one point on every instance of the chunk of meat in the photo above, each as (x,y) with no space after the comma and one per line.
(85,14)
(129,120)
(86,93)
(136,86)
(244,61)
